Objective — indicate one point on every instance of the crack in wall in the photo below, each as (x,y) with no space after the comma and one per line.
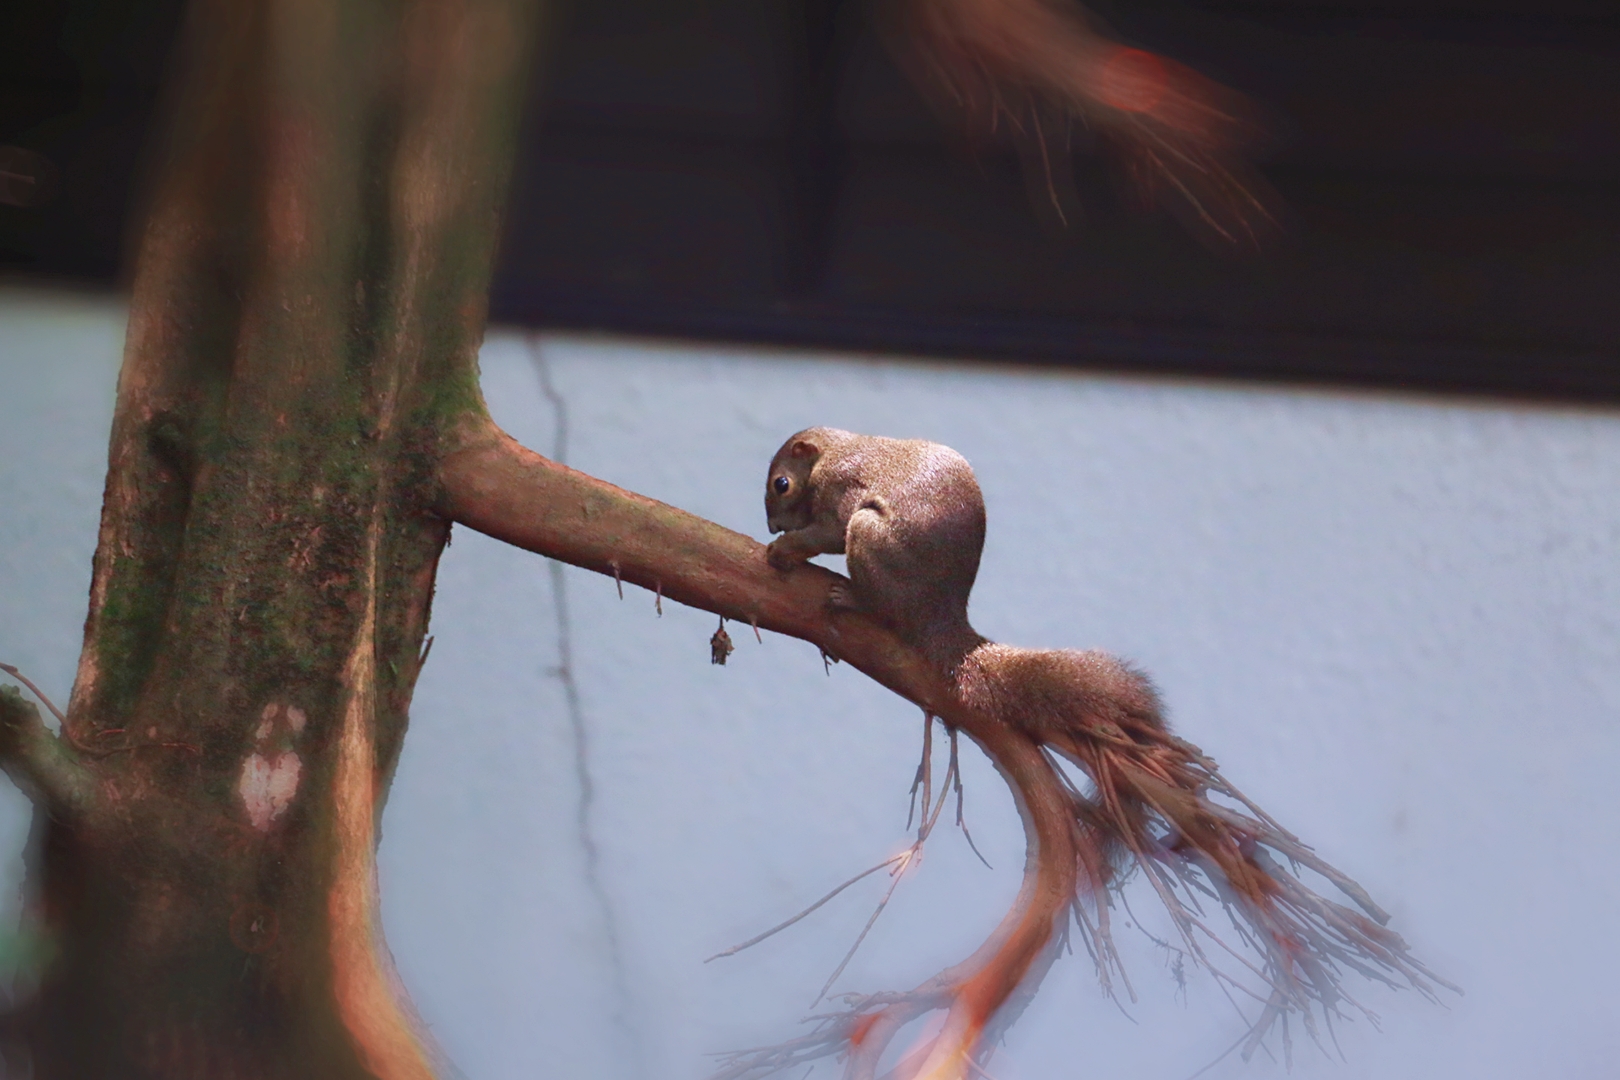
(584,820)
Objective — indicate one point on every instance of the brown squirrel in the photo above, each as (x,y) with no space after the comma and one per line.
(909,518)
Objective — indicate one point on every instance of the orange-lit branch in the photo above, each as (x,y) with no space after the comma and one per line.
(1180,135)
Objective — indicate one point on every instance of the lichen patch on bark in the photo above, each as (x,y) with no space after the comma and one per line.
(293,720)
(267,786)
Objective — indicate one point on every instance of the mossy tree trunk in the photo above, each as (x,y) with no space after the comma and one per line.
(308,303)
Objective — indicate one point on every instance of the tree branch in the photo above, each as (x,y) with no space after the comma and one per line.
(44,766)
(494,485)
(1152,804)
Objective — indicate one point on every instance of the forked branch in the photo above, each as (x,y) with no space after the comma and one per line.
(1153,804)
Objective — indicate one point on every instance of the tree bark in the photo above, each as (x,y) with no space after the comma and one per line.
(307,309)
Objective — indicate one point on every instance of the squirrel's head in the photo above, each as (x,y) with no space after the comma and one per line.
(787,485)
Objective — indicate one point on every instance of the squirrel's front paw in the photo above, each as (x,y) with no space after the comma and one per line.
(781,555)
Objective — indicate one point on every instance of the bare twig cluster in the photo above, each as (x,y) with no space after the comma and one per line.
(1145,801)
(1151,798)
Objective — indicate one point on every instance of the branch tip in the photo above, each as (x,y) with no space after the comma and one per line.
(46,767)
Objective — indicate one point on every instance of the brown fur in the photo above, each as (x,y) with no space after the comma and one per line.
(906,513)
(909,517)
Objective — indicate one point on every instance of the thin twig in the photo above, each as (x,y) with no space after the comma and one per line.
(37,692)
(961,822)
(927,767)
(906,858)
(917,779)
(1224,1054)
(779,927)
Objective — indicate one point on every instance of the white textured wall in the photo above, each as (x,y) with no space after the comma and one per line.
(1395,621)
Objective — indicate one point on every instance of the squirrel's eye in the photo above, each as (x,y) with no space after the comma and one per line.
(781,484)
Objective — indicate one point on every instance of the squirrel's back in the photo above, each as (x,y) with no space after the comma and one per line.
(914,521)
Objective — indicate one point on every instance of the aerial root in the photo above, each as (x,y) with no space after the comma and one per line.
(1154,804)
(981,995)
(955,771)
(88,751)
(779,927)
(11,669)
(1152,800)
(1292,945)
(924,777)
(896,864)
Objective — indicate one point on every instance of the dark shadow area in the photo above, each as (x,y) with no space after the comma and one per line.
(763,172)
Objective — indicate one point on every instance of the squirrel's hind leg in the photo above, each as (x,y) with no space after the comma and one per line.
(884,572)
(841,597)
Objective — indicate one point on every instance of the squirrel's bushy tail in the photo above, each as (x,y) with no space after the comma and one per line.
(1153,802)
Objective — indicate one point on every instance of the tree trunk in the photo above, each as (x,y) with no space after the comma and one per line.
(308,305)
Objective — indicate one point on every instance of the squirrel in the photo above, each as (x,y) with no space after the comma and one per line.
(909,518)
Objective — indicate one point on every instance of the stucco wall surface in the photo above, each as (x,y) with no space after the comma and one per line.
(1395,622)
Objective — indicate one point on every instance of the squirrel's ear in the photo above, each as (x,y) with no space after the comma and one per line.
(801,448)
